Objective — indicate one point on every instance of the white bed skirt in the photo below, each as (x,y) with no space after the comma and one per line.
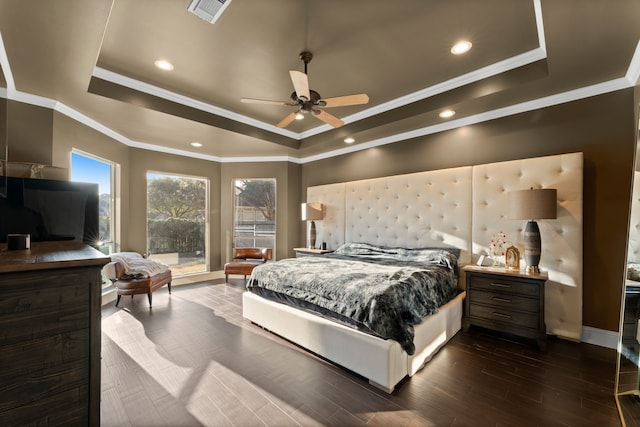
(383,362)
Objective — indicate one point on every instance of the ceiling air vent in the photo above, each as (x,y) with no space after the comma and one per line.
(209,10)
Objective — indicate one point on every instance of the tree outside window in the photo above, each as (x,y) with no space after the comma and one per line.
(176,222)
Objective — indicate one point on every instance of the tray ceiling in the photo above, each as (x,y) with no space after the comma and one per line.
(96,60)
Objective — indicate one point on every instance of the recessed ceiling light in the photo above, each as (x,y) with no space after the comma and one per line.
(446,114)
(196,144)
(163,64)
(349,140)
(461,47)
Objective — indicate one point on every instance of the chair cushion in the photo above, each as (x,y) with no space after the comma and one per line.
(263,254)
(142,285)
(241,267)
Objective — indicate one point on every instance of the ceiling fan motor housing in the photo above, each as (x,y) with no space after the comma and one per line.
(315,98)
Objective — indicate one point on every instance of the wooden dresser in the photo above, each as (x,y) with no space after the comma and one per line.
(504,300)
(50,334)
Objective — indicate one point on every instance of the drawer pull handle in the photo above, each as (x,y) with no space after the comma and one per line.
(501,299)
(500,285)
(495,313)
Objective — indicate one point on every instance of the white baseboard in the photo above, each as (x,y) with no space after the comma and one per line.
(600,337)
(197,277)
(108,296)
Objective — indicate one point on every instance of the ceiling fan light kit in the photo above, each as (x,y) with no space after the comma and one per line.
(309,101)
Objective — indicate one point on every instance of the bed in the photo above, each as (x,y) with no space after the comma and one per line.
(458,208)
(381,291)
(362,306)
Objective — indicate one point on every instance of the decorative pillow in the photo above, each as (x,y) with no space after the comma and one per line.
(440,255)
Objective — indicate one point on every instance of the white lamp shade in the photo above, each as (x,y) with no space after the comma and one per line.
(311,211)
(541,203)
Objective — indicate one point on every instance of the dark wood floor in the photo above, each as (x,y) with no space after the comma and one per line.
(193,361)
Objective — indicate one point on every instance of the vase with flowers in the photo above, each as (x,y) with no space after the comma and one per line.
(497,247)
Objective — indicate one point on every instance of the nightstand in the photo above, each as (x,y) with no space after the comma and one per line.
(300,252)
(508,301)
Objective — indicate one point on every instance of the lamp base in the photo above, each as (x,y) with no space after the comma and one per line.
(312,235)
(532,269)
(532,246)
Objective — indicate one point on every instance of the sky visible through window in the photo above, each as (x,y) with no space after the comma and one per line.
(86,169)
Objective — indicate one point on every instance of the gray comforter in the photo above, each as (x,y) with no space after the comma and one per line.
(383,291)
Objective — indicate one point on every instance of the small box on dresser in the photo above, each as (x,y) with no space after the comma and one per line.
(509,301)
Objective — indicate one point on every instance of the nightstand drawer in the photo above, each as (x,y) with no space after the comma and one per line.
(506,301)
(526,320)
(504,285)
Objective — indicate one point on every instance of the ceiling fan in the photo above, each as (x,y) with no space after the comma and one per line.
(309,101)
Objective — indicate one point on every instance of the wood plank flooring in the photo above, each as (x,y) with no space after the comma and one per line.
(194,361)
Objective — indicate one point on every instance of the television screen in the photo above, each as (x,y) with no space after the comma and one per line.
(50,210)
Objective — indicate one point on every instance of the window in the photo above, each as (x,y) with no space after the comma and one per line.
(254,222)
(88,168)
(177,209)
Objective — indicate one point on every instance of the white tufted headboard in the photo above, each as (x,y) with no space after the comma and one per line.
(426,209)
(462,208)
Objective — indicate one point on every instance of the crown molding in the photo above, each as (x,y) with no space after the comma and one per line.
(159,92)
(631,79)
(548,101)
(633,72)
(491,70)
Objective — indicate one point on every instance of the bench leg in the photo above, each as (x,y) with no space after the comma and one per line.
(149,296)
(226,278)
(118,300)
(169,285)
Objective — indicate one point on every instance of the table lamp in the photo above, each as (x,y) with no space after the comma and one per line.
(533,204)
(312,212)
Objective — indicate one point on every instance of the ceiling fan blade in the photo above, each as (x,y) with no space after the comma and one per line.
(300,83)
(264,101)
(328,118)
(341,101)
(285,122)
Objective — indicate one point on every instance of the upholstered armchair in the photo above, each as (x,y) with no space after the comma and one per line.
(245,260)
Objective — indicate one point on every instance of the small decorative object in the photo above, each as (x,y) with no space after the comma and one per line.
(512,258)
(496,247)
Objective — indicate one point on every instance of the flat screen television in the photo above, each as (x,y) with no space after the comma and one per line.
(50,210)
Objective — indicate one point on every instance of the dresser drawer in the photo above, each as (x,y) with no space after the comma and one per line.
(503,285)
(505,301)
(495,314)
